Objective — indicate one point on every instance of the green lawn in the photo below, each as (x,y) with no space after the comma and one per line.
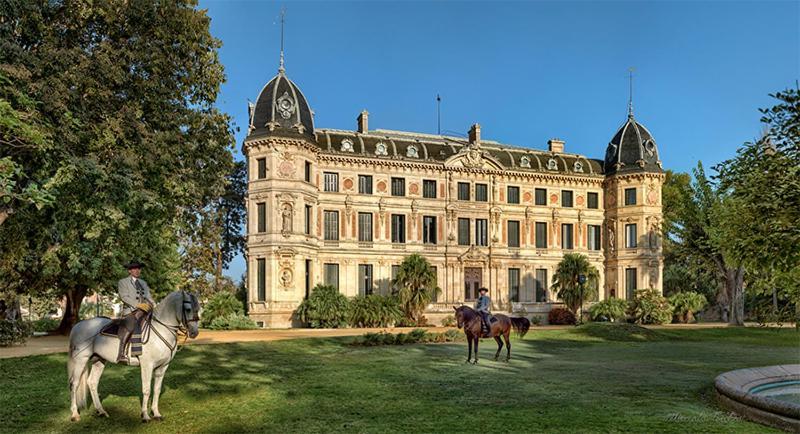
(558,381)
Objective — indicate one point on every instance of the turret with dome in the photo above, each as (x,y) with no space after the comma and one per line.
(281,108)
(631,149)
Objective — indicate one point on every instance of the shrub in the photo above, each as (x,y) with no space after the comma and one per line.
(233,321)
(45,324)
(536,320)
(686,304)
(620,332)
(89,310)
(219,305)
(611,309)
(650,307)
(449,321)
(14,332)
(561,316)
(413,337)
(374,311)
(324,308)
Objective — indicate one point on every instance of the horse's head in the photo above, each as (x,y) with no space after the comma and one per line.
(460,319)
(188,314)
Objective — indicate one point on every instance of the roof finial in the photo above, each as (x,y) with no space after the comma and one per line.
(630,90)
(283,16)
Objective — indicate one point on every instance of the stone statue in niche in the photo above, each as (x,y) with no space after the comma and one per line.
(286,219)
(286,278)
(611,234)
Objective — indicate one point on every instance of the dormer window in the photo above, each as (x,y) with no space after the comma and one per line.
(380,149)
(347,145)
(525,161)
(412,152)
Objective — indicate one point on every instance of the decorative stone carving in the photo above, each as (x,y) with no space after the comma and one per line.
(413,188)
(348,183)
(579,200)
(495,213)
(286,219)
(285,105)
(650,148)
(348,206)
(652,194)
(653,233)
(577,167)
(611,229)
(382,209)
(611,198)
(412,151)
(527,197)
(525,162)
(551,164)
(347,145)
(553,198)
(285,257)
(652,268)
(381,150)
(473,156)
(381,186)
(286,169)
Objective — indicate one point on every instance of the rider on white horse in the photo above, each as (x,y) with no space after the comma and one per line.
(137,303)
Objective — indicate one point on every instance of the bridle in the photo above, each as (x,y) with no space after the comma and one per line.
(183,326)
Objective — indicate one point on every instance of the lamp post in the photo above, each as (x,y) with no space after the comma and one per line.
(581,283)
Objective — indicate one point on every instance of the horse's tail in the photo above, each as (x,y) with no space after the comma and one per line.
(79,385)
(521,326)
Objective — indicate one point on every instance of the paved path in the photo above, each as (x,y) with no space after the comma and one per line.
(59,344)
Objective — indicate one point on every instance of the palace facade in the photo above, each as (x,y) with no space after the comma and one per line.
(345,207)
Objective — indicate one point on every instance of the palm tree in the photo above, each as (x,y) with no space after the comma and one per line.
(565,280)
(416,285)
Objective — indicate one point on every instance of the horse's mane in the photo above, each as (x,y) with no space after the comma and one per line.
(469,312)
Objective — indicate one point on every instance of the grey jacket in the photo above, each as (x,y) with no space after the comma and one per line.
(483,303)
(132,295)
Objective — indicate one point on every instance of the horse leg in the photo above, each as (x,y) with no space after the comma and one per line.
(77,369)
(147,376)
(158,378)
(499,347)
(508,345)
(476,350)
(94,381)
(469,349)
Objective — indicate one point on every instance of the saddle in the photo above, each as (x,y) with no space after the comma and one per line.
(486,331)
(140,336)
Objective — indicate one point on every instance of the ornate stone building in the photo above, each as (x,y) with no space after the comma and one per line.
(345,208)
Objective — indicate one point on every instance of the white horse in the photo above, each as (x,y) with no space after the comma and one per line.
(178,312)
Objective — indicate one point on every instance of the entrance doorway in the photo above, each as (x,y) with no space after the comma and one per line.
(473,280)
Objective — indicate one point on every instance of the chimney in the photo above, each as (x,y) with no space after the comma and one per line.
(475,134)
(362,122)
(556,145)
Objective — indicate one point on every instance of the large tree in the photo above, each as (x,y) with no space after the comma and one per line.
(125,90)
(566,281)
(416,286)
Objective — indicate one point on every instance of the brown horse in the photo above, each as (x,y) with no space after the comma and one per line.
(470,320)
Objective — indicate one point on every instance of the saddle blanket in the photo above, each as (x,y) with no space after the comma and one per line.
(140,334)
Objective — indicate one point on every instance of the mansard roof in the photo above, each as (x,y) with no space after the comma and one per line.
(431,148)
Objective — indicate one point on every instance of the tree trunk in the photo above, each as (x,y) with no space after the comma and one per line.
(4,214)
(72,308)
(734,285)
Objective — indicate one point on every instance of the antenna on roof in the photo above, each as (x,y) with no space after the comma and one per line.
(283,16)
(630,90)
(438,114)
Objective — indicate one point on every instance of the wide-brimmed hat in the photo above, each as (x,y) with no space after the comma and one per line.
(484,289)
(133,264)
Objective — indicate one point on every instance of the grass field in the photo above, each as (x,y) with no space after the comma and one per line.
(577,380)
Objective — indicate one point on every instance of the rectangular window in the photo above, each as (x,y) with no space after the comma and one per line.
(331,181)
(429,189)
(513,284)
(262,168)
(262,216)
(566,198)
(398,187)
(630,282)
(429,229)
(630,196)
(398,228)
(365,226)
(541,235)
(566,236)
(463,191)
(332,275)
(630,236)
(331,225)
(513,195)
(308,171)
(594,237)
(436,295)
(365,184)
(481,193)
(541,196)
(463,232)
(481,232)
(591,201)
(308,220)
(541,285)
(364,279)
(513,233)
(261,278)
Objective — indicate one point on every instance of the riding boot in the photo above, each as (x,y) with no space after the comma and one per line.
(123,334)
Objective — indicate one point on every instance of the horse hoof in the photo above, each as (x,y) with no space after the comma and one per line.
(75,418)
(158,418)
(475,362)
(145,420)
(101,413)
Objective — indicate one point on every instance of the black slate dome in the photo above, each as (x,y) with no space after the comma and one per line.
(281,108)
(632,149)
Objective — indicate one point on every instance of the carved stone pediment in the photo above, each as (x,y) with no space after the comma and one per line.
(474,254)
(473,157)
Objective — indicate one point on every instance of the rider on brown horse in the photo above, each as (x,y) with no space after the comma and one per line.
(482,306)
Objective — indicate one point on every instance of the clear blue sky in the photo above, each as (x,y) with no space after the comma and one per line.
(526,71)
